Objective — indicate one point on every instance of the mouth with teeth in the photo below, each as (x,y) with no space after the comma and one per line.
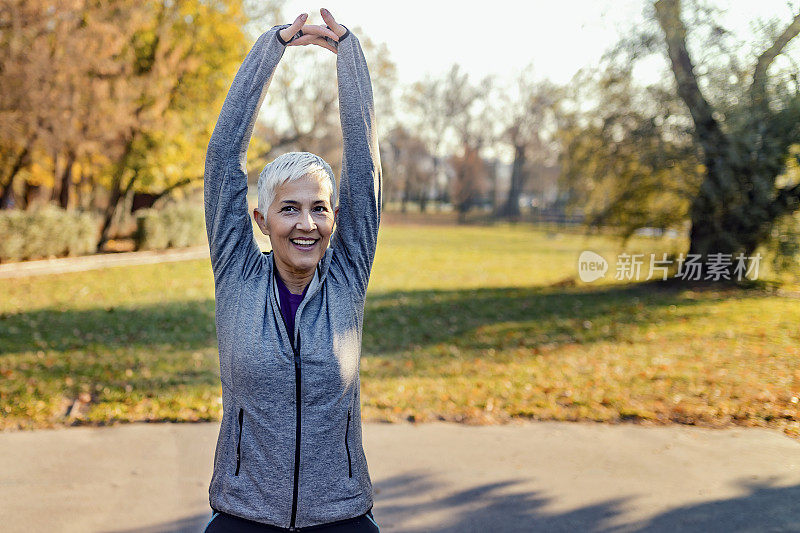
(303,244)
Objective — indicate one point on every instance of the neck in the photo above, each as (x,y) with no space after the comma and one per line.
(296,281)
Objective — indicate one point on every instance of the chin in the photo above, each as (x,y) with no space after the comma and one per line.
(306,263)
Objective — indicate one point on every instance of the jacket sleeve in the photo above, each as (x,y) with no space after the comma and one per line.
(360,194)
(233,248)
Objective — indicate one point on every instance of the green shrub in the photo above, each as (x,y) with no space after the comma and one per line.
(174,226)
(12,238)
(46,232)
(783,246)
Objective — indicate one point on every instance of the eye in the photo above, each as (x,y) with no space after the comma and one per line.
(287,207)
(322,208)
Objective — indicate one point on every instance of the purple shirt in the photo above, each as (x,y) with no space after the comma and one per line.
(289,304)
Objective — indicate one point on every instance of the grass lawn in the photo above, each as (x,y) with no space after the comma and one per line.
(472,324)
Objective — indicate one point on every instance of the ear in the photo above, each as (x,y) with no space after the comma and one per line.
(261,221)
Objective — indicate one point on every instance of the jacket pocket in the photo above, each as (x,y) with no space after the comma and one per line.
(239,442)
(347,447)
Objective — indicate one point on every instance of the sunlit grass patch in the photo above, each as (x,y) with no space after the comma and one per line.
(474,324)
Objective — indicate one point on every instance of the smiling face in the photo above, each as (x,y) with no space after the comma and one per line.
(299,223)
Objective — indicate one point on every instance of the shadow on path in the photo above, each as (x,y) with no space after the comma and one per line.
(491,508)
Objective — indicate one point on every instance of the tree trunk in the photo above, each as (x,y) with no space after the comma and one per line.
(510,207)
(7,193)
(423,195)
(30,193)
(734,209)
(437,197)
(462,213)
(66,181)
(728,218)
(404,200)
(117,193)
(79,195)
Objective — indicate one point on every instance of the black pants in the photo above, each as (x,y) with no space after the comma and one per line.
(225,523)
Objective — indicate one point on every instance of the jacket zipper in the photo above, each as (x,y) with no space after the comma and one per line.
(297,430)
(297,381)
(239,442)
(296,351)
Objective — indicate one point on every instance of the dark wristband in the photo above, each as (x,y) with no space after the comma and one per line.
(346,33)
(335,43)
(295,36)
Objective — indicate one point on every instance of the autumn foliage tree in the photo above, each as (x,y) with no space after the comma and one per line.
(628,162)
(111,98)
(712,147)
(744,147)
(468,108)
(427,112)
(529,120)
(471,180)
(412,167)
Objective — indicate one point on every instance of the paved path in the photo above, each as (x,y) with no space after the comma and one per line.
(60,265)
(440,477)
(92,262)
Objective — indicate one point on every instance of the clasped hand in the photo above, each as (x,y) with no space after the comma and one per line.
(314,33)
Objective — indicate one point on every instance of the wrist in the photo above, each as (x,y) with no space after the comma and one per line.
(341,38)
(291,38)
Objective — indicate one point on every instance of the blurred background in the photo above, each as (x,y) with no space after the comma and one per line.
(513,137)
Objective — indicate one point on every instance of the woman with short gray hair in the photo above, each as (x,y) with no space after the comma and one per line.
(289,455)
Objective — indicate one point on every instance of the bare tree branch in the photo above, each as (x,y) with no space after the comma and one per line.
(177,185)
(758,87)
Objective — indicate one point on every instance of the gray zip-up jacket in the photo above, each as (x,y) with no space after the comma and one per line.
(289,451)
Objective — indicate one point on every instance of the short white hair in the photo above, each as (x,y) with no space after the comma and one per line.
(289,167)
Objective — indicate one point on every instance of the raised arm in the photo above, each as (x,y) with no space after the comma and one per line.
(234,251)
(360,190)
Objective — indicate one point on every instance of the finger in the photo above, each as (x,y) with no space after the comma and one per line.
(303,40)
(313,39)
(287,33)
(331,22)
(325,44)
(320,30)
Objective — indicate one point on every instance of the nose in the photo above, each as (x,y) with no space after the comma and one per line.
(306,222)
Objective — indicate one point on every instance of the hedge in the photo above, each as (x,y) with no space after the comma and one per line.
(174,226)
(49,231)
